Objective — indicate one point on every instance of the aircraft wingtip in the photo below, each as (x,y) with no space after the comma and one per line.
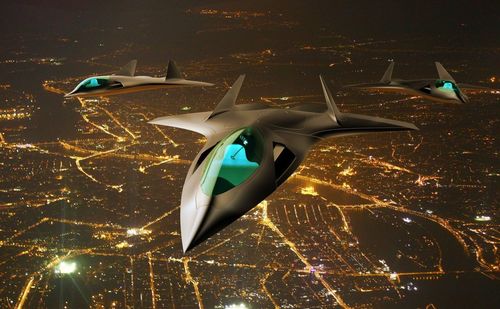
(154,121)
(414,127)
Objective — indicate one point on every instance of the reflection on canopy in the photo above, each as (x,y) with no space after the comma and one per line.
(232,161)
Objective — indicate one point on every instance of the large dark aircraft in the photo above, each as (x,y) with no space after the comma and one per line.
(252,149)
(124,81)
(443,89)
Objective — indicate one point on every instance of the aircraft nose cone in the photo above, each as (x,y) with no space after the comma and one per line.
(192,214)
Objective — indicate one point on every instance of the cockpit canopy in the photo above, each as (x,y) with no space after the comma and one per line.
(96,83)
(446,85)
(232,161)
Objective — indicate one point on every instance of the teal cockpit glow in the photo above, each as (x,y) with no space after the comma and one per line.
(446,85)
(93,83)
(232,161)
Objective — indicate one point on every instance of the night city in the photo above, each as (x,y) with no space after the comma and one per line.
(90,190)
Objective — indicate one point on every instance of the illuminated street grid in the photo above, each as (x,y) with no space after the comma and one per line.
(366,220)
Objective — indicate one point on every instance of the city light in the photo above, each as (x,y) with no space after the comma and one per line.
(123,244)
(132,232)
(482,218)
(91,181)
(349,171)
(135,232)
(65,268)
(236,306)
(309,190)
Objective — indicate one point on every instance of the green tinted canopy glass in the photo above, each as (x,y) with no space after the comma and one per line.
(446,85)
(232,161)
(93,83)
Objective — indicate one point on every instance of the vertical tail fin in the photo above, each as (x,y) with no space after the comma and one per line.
(388,73)
(172,71)
(443,74)
(354,123)
(333,110)
(128,69)
(229,99)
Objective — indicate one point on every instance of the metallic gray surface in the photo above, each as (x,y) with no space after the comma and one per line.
(415,87)
(297,129)
(131,83)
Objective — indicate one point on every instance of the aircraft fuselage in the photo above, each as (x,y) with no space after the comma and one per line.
(116,84)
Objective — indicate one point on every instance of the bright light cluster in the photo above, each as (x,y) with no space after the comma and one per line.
(66,268)
(236,306)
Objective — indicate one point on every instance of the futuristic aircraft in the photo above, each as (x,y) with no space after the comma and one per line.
(252,149)
(444,89)
(124,81)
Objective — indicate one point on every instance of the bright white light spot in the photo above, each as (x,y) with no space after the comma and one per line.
(66,268)
(132,232)
(482,218)
(236,306)
(407,220)
(137,231)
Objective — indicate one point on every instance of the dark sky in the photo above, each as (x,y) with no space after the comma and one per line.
(453,23)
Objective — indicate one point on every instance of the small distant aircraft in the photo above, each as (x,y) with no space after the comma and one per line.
(444,89)
(252,149)
(124,81)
